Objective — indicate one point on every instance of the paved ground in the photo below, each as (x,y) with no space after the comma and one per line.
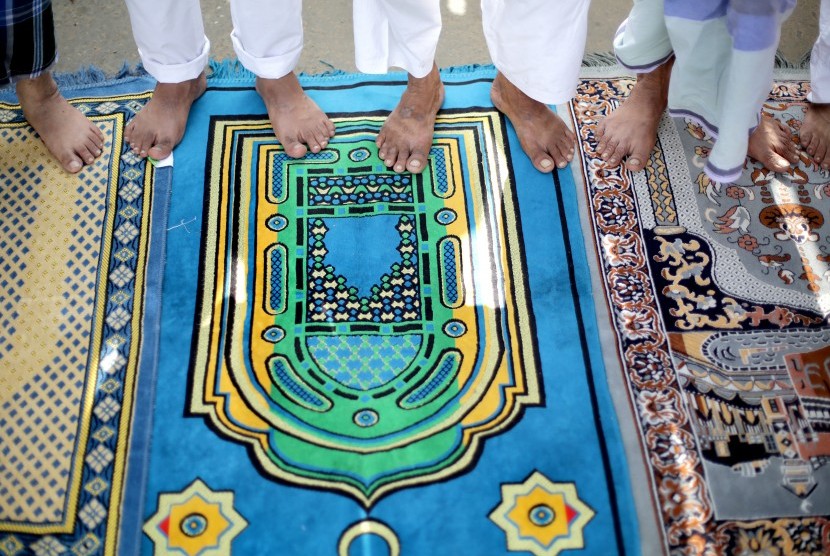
(97,32)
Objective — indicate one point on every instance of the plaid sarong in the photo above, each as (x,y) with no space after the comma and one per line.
(27,39)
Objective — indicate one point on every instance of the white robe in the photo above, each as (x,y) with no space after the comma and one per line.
(268,36)
(820,59)
(722,74)
(537,44)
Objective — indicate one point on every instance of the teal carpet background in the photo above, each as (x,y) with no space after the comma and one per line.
(572,438)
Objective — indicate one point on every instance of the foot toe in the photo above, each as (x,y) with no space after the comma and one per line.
(611,147)
(71,163)
(401,162)
(296,150)
(821,155)
(544,163)
(97,133)
(636,161)
(160,150)
(616,156)
(416,164)
(390,155)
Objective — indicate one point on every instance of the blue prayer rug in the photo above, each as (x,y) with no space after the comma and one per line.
(357,362)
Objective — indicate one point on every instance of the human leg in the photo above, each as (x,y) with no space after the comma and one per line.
(814,134)
(723,73)
(630,131)
(268,40)
(27,52)
(772,145)
(174,50)
(537,48)
(403,33)
(641,45)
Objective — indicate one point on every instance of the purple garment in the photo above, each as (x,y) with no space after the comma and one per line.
(752,24)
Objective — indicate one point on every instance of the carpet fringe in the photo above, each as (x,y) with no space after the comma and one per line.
(781,62)
(93,75)
(231,69)
(608,59)
(599,60)
(466,68)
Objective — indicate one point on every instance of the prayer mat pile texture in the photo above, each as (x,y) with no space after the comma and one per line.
(718,298)
(480,359)
(359,362)
(80,293)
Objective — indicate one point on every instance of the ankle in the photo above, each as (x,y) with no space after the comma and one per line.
(33,92)
(429,80)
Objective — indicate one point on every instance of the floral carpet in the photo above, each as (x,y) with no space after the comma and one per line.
(718,296)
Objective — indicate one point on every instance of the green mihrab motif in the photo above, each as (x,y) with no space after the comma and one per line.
(362,330)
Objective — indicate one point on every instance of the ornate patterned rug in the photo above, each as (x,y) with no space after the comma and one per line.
(80,287)
(719,350)
(357,362)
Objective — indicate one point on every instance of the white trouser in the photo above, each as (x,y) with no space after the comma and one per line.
(268,36)
(820,59)
(537,44)
(400,33)
(170,37)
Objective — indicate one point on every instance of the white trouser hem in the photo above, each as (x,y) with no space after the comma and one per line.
(820,59)
(545,95)
(382,65)
(177,73)
(819,80)
(272,67)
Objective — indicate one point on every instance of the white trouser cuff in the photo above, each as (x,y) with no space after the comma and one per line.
(542,92)
(177,73)
(381,65)
(819,81)
(272,67)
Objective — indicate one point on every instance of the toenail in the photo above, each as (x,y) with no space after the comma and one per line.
(546,163)
(415,163)
(562,164)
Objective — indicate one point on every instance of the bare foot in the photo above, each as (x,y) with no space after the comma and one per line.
(631,130)
(296,119)
(159,126)
(815,134)
(544,137)
(771,145)
(68,134)
(405,139)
